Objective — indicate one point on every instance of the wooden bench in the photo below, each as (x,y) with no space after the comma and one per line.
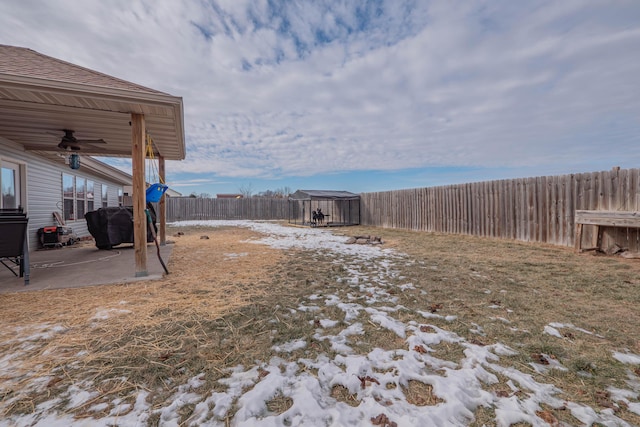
(624,219)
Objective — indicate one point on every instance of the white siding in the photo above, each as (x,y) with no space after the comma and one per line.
(44,190)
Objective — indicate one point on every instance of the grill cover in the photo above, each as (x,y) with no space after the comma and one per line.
(114,225)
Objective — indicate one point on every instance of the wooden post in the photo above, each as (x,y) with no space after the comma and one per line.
(162,206)
(578,237)
(139,193)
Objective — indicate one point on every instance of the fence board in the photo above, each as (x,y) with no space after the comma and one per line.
(538,209)
(191,208)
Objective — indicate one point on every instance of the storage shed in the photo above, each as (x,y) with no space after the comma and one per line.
(337,208)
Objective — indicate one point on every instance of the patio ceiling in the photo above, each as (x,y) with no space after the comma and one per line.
(37,106)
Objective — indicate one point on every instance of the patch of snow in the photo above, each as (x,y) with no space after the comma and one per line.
(328,323)
(104,314)
(290,346)
(575,328)
(428,315)
(552,331)
(234,255)
(377,380)
(630,358)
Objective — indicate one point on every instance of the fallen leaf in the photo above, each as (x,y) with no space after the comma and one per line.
(383,420)
(53,381)
(603,398)
(427,329)
(363,381)
(420,349)
(539,358)
(548,417)
(383,402)
(435,307)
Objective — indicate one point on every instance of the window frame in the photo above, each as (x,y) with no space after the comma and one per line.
(90,195)
(68,197)
(17,180)
(79,196)
(105,195)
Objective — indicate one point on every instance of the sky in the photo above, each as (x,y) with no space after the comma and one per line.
(368,95)
(369,273)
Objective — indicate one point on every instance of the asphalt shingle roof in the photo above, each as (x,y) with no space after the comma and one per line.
(24,62)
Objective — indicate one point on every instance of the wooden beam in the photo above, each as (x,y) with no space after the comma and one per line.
(139,193)
(578,242)
(162,206)
(609,218)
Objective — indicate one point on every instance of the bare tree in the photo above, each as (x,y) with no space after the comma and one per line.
(246,190)
(278,193)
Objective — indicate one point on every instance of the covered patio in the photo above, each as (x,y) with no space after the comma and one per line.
(83,265)
(43,99)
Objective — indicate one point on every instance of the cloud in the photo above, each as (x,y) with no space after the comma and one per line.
(278,88)
(192,182)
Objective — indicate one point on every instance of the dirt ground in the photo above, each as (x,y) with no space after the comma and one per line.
(216,308)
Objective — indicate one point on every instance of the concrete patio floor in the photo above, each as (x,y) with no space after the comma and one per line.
(83,264)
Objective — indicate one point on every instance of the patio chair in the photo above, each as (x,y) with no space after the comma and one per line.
(13,243)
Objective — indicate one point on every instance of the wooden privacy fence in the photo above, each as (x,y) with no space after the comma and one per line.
(191,208)
(540,209)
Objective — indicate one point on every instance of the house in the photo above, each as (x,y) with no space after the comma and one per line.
(229,196)
(172,193)
(128,193)
(44,183)
(54,116)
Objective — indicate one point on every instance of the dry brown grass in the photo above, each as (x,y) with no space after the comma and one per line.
(226,302)
(341,394)
(420,394)
(168,329)
(513,290)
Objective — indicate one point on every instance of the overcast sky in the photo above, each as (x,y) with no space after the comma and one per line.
(366,95)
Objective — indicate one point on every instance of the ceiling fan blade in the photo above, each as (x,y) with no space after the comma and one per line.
(68,145)
(90,141)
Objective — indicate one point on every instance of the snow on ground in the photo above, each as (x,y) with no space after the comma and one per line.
(385,373)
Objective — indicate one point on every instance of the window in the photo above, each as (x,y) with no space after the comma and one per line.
(90,196)
(120,197)
(10,184)
(80,197)
(68,187)
(105,198)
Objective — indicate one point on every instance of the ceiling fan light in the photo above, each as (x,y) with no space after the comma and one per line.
(74,161)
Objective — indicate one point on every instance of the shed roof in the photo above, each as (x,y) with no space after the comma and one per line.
(323,195)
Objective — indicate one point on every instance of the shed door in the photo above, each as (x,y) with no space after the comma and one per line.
(11,185)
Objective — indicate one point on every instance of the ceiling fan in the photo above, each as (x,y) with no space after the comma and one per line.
(70,142)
